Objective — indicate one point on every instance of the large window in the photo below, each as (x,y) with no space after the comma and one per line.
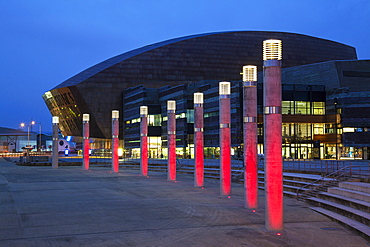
(190,115)
(303,107)
(318,129)
(318,108)
(154,120)
(287,107)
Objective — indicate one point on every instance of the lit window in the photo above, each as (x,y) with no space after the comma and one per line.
(345,130)
(287,107)
(190,115)
(302,107)
(154,120)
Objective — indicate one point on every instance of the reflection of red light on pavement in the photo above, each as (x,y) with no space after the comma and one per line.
(253,211)
(279,234)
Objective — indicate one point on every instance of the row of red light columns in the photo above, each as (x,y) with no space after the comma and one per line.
(272,138)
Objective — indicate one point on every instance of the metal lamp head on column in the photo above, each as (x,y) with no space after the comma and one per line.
(115,114)
(249,75)
(198,99)
(143,111)
(171,106)
(272,49)
(224,89)
(55,120)
(85,117)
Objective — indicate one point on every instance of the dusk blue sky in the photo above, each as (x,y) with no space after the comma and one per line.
(43,42)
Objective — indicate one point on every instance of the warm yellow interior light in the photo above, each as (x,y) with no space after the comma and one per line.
(120,152)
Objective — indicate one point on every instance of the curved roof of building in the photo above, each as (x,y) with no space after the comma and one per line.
(298,49)
(211,56)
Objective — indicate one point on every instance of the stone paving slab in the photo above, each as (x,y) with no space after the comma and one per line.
(41,206)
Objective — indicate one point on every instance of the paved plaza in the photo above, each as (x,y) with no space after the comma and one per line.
(41,206)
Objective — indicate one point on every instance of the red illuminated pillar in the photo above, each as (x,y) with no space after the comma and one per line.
(115,140)
(198,140)
(144,140)
(55,150)
(225,139)
(250,136)
(86,141)
(273,132)
(171,140)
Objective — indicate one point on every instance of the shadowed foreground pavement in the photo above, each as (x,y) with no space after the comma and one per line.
(41,206)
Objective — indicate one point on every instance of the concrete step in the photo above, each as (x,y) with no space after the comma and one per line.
(344,200)
(298,183)
(292,188)
(288,190)
(350,193)
(358,186)
(305,178)
(349,212)
(361,229)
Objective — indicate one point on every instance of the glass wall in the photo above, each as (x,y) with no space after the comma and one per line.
(154,120)
(303,107)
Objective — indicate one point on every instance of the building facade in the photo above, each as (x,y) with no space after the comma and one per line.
(322,84)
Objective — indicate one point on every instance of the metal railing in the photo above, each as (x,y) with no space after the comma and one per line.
(322,184)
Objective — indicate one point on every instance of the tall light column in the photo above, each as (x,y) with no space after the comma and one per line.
(272,55)
(144,140)
(55,155)
(198,140)
(115,140)
(171,140)
(225,139)
(86,141)
(250,136)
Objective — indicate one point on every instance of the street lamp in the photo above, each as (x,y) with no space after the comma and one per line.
(28,132)
(39,147)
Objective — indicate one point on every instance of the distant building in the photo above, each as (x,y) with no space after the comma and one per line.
(325,94)
(14,140)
